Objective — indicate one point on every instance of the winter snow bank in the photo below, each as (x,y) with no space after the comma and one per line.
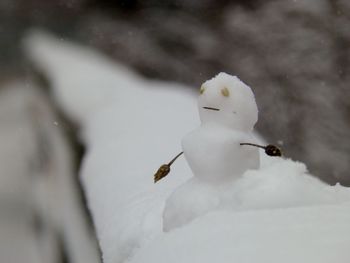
(131,126)
(303,234)
(276,185)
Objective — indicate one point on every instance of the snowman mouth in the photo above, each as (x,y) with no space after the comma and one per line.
(210,108)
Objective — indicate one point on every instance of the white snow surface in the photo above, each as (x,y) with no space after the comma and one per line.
(228,112)
(234,100)
(131,126)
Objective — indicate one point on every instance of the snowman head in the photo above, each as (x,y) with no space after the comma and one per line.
(227,101)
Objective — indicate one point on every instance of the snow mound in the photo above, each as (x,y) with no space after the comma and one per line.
(283,184)
(130,125)
(83,80)
(302,234)
(280,184)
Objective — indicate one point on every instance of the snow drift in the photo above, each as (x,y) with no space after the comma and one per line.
(131,125)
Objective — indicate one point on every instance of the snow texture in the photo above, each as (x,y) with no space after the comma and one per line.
(234,99)
(228,112)
(130,126)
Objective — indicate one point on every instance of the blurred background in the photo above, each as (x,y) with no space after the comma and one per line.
(295,54)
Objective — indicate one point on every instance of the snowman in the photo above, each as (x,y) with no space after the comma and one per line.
(218,152)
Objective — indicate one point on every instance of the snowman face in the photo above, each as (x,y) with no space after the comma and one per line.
(227,101)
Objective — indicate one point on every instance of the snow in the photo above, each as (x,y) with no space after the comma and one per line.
(228,112)
(303,234)
(282,183)
(234,99)
(131,126)
(214,152)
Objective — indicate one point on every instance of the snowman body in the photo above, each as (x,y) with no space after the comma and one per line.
(228,113)
(215,155)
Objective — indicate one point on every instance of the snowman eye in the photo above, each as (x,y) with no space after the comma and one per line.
(202,89)
(225,92)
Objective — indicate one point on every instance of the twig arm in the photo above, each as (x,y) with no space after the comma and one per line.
(165,169)
(270,149)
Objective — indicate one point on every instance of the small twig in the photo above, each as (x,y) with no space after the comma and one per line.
(210,108)
(165,169)
(270,149)
(173,160)
(252,144)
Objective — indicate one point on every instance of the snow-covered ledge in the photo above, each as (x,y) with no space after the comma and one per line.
(130,126)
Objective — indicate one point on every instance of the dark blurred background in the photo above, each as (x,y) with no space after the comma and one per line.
(295,54)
